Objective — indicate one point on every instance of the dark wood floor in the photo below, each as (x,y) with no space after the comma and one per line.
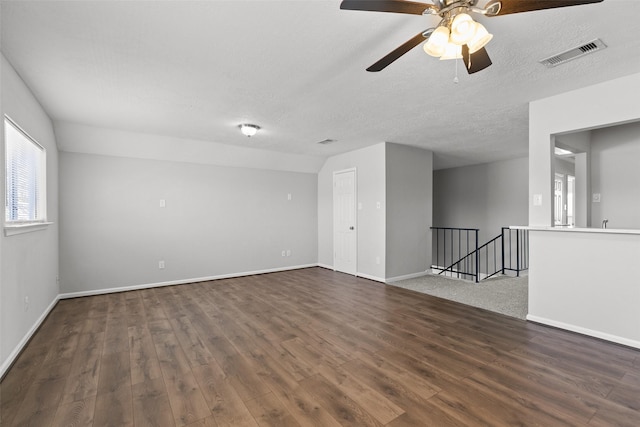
(310,347)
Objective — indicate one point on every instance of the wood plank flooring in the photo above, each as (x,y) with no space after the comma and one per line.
(309,347)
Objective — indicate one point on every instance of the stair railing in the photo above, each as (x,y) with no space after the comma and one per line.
(490,252)
(452,249)
(458,255)
(518,257)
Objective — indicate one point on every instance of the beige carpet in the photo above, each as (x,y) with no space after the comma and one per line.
(503,294)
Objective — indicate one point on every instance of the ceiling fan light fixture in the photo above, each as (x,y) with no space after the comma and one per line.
(456,23)
(437,43)
(249,129)
(463,29)
(452,51)
(480,39)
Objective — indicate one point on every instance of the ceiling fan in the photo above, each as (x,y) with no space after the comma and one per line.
(457,35)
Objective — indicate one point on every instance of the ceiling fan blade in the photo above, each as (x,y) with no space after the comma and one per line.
(477,61)
(397,53)
(396,6)
(517,6)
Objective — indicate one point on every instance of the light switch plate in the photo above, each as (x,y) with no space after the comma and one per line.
(537,200)
(595,198)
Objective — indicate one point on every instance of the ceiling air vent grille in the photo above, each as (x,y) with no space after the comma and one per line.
(574,53)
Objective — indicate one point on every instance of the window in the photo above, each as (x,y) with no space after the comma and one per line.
(25,163)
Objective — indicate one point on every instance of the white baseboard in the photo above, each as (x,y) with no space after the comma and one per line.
(370,277)
(363,275)
(585,331)
(6,364)
(179,282)
(407,276)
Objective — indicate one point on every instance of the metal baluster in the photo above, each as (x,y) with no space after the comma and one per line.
(502,244)
(517,257)
(477,259)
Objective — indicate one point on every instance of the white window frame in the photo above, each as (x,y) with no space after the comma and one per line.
(12,227)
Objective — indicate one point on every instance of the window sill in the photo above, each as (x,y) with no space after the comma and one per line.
(14,229)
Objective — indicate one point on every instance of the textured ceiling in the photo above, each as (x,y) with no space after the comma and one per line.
(196,69)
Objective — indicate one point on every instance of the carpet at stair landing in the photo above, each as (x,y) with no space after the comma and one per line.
(505,295)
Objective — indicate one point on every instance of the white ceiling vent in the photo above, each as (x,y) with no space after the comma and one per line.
(574,53)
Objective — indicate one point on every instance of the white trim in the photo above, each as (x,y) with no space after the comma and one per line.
(584,331)
(576,229)
(6,364)
(368,276)
(407,276)
(13,229)
(179,282)
(363,275)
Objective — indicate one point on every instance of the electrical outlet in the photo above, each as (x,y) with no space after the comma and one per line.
(26,303)
(284,253)
(163,203)
(160,265)
(288,252)
(288,196)
(378,260)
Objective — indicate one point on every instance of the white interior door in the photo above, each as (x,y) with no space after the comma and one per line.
(571,200)
(558,202)
(345,250)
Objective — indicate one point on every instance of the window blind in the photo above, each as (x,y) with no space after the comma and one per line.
(25,162)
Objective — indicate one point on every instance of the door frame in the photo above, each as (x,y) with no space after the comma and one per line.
(355,216)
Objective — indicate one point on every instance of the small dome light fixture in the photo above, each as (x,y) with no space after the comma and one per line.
(249,129)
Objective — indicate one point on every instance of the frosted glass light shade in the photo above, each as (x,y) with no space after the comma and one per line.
(480,39)
(452,51)
(463,28)
(437,42)
(248,129)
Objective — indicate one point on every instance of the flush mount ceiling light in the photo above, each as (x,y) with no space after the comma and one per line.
(457,35)
(248,129)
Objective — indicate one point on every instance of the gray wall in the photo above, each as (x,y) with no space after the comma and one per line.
(29,261)
(400,179)
(615,174)
(217,221)
(564,167)
(76,138)
(409,183)
(487,196)
(370,174)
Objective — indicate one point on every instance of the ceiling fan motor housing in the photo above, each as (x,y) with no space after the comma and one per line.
(445,3)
